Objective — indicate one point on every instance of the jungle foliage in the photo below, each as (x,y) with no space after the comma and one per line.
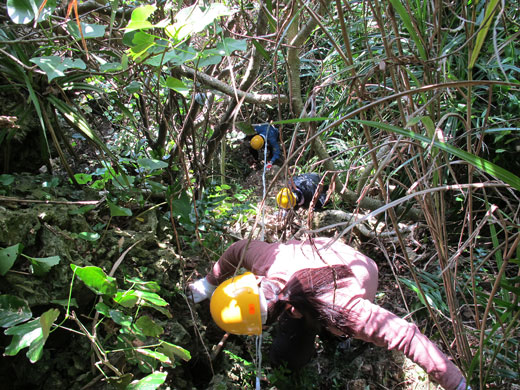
(410,108)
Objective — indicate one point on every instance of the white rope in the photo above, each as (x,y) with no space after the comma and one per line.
(258,360)
(258,341)
(262,232)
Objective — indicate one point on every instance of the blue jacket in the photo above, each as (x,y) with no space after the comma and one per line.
(272,137)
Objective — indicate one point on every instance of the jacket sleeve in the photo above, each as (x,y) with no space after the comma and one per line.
(243,253)
(370,322)
(275,147)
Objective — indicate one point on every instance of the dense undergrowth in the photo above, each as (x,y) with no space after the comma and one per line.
(124,174)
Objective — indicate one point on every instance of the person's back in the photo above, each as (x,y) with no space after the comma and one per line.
(307,184)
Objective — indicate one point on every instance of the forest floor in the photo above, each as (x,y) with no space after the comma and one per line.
(217,362)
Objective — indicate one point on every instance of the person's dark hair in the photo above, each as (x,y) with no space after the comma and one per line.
(303,291)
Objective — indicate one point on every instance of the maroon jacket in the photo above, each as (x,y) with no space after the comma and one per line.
(367,321)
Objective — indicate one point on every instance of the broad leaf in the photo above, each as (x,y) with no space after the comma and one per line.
(148,327)
(192,20)
(174,351)
(119,211)
(120,382)
(155,355)
(32,334)
(150,382)
(13,311)
(151,298)
(89,30)
(56,66)
(139,18)
(24,11)
(96,279)
(229,45)
(178,86)
(8,256)
(150,163)
(6,180)
(120,318)
(41,266)
(126,298)
(143,285)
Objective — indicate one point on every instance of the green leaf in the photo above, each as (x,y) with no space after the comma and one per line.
(8,256)
(119,211)
(81,210)
(55,66)
(6,180)
(120,318)
(150,382)
(139,18)
(155,355)
(103,308)
(89,236)
(261,50)
(478,162)
(151,297)
(148,327)
(406,18)
(47,319)
(90,30)
(83,178)
(192,20)
(120,382)
(23,336)
(24,11)
(126,298)
(134,86)
(41,266)
(143,285)
(150,163)
(174,351)
(32,334)
(209,60)
(491,8)
(229,45)
(178,86)
(181,208)
(96,279)
(13,311)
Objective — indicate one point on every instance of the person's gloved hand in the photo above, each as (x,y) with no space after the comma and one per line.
(200,289)
(463,386)
(269,165)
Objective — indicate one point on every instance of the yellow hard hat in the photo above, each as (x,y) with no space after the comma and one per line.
(257,142)
(286,198)
(235,305)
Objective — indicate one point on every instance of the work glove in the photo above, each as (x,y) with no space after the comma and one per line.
(269,165)
(200,289)
(463,386)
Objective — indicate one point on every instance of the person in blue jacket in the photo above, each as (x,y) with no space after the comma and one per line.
(270,134)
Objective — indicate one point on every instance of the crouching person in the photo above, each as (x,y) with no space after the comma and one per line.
(307,287)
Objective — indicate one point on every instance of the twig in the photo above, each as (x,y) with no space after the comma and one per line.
(79,202)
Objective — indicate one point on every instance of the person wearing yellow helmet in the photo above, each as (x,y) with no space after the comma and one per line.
(308,287)
(265,133)
(303,190)
(237,305)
